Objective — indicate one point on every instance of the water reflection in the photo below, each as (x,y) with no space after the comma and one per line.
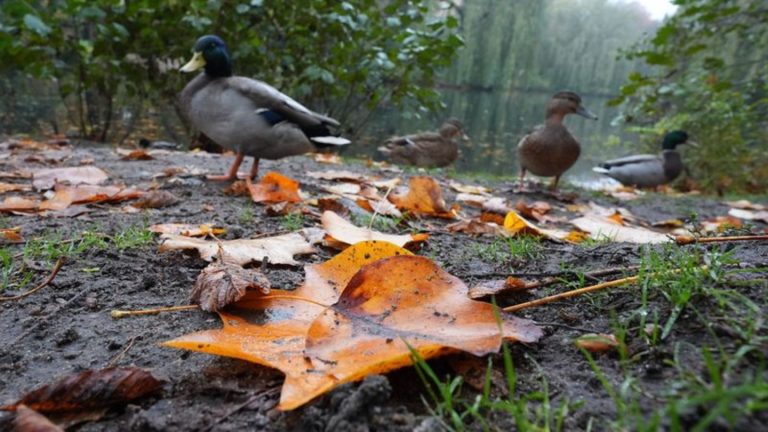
(495,122)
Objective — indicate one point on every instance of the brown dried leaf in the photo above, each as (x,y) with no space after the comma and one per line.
(329,158)
(601,228)
(90,389)
(597,342)
(12,235)
(348,176)
(274,187)
(756,215)
(424,198)
(237,188)
(746,205)
(473,227)
(469,189)
(156,199)
(220,284)
(14,187)
(135,155)
(18,204)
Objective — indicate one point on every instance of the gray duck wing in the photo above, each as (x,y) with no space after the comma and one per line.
(266,97)
(630,160)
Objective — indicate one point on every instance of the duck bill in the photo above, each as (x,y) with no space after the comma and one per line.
(585,113)
(693,144)
(196,63)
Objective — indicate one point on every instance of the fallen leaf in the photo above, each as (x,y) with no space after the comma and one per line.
(188,230)
(274,187)
(14,187)
(84,194)
(535,210)
(348,176)
(345,232)
(156,199)
(756,215)
(496,287)
(669,223)
(237,188)
(47,178)
(472,199)
(469,189)
(514,224)
(343,189)
(18,204)
(385,208)
(597,342)
(29,420)
(602,228)
(272,331)
(329,158)
(473,227)
(401,303)
(386,184)
(746,205)
(424,198)
(90,389)
(279,249)
(221,284)
(721,224)
(497,205)
(332,204)
(134,155)
(474,370)
(12,235)
(385,302)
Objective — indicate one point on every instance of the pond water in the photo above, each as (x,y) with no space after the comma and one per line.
(495,122)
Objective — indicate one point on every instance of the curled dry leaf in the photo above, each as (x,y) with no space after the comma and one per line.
(746,205)
(385,208)
(343,189)
(345,232)
(601,228)
(134,155)
(188,230)
(390,300)
(29,420)
(90,389)
(47,178)
(721,224)
(274,187)
(156,199)
(597,342)
(278,249)
(473,200)
(424,198)
(237,188)
(515,224)
(221,284)
(535,210)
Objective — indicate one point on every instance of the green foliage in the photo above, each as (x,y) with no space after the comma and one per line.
(706,75)
(292,221)
(345,58)
(503,249)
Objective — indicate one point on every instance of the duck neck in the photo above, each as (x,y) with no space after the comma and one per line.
(218,65)
(554,118)
(673,164)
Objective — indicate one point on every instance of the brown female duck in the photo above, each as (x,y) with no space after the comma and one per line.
(550,150)
(426,149)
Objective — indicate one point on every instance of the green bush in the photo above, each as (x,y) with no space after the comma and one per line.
(344,58)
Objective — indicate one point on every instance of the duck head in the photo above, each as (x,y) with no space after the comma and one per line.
(211,53)
(452,129)
(674,139)
(567,102)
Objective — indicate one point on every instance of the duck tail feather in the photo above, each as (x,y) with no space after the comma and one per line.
(600,169)
(330,140)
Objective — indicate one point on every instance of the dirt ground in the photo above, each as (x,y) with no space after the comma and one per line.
(66,327)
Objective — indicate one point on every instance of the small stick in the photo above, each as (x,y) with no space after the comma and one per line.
(572,293)
(124,313)
(684,240)
(376,210)
(43,284)
(116,358)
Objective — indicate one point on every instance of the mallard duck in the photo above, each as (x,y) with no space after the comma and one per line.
(248,116)
(550,149)
(648,170)
(426,149)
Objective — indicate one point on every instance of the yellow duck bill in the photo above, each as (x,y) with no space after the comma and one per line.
(196,63)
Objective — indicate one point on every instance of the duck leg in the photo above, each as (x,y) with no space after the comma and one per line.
(254,169)
(553,185)
(232,173)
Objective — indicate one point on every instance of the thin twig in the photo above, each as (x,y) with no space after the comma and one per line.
(684,240)
(266,393)
(43,284)
(124,313)
(122,353)
(572,293)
